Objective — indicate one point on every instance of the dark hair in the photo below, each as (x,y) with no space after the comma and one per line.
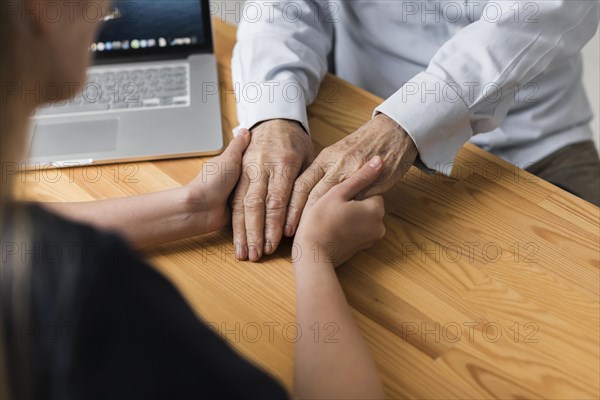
(15,283)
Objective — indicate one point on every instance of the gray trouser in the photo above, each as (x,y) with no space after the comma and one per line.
(574,168)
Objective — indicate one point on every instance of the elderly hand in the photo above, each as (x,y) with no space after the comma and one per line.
(278,153)
(380,136)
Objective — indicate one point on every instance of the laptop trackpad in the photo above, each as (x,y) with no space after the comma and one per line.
(68,138)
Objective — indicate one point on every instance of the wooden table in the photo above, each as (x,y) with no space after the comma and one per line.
(486,284)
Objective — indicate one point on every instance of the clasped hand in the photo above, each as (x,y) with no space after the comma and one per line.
(273,193)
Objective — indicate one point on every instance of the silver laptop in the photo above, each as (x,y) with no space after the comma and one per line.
(152,92)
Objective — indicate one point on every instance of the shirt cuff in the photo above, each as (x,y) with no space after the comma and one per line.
(271,100)
(435,117)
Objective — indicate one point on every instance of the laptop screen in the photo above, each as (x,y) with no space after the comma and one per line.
(153,27)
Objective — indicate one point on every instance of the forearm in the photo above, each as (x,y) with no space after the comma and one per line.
(145,220)
(443,107)
(341,365)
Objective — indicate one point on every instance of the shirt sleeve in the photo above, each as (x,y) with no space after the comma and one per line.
(280,59)
(471,81)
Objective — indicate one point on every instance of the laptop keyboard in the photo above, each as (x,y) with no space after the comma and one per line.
(128,89)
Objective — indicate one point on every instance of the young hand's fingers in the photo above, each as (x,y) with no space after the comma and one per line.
(392,199)
(375,208)
(302,188)
(226,168)
(328,181)
(378,202)
(234,152)
(361,178)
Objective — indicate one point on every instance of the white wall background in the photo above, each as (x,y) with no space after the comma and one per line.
(591,61)
(591,80)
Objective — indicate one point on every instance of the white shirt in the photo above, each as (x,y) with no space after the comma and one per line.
(505,75)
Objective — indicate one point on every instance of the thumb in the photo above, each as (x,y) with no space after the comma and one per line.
(226,168)
(237,146)
(361,179)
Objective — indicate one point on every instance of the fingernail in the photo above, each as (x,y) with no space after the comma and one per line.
(289,230)
(244,132)
(239,254)
(268,247)
(253,253)
(375,162)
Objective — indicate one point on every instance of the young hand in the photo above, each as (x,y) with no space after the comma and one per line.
(336,225)
(208,194)
(380,136)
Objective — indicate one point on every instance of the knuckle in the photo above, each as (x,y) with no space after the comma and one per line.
(321,189)
(311,201)
(362,178)
(254,236)
(276,200)
(289,157)
(292,209)
(239,236)
(274,221)
(323,162)
(252,232)
(273,232)
(270,229)
(240,189)
(237,202)
(237,215)
(239,231)
(372,207)
(248,160)
(334,172)
(301,186)
(314,196)
(257,243)
(338,173)
(253,201)
(293,213)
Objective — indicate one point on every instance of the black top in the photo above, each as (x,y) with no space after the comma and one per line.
(103,324)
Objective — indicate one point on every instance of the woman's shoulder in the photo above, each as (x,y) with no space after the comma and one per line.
(55,230)
(122,309)
(59,250)
(55,239)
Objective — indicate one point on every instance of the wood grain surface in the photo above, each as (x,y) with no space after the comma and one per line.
(486,284)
